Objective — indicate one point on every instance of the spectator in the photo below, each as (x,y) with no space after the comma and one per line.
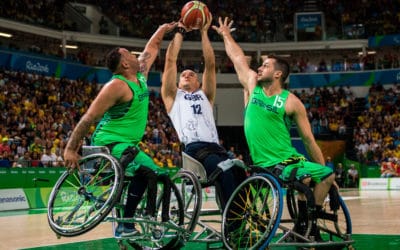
(352,175)
(59,159)
(329,163)
(36,146)
(22,147)
(388,169)
(4,146)
(24,161)
(5,161)
(48,158)
(340,175)
(35,159)
(232,152)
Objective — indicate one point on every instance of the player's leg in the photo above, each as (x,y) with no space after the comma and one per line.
(323,177)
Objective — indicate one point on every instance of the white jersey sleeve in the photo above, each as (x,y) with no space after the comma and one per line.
(192,117)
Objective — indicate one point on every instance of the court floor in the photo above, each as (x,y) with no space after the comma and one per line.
(375,215)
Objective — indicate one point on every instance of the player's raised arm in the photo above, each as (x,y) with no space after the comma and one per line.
(209,80)
(247,77)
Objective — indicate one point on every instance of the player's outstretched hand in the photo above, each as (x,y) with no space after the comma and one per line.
(225,26)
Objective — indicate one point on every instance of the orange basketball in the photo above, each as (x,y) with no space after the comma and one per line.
(194,14)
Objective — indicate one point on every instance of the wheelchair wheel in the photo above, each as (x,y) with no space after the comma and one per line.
(252,214)
(83,197)
(292,203)
(191,193)
(155,234)
(336,223)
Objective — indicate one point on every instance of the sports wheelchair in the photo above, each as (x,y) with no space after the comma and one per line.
(255,218)
(96,191)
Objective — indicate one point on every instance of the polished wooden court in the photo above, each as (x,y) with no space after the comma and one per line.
(372,212)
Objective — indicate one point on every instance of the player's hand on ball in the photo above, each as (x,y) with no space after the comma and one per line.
(208,22)
(181,25)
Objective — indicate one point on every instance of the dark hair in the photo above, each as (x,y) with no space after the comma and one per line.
(113,58)
(282,65)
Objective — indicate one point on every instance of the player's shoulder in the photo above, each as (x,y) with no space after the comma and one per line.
(115,82)
(115,85)
(292,97)
(294,103)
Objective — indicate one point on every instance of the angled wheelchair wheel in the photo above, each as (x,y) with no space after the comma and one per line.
(153,232)
(252,214)
(83,197)
(336,223)
(190,190)
(292,203)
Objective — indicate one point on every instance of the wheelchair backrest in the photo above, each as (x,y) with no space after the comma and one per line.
(193,165)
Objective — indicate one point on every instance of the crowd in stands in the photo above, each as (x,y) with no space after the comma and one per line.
(377,133)
(329,109)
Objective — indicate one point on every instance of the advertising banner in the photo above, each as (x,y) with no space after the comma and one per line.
(13,199)
(394,183)
(374,183)
(61,68)
(34,65)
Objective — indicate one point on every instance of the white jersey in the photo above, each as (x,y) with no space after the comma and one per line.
(192,117)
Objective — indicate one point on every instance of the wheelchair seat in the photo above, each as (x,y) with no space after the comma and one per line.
(193,165)
(88,150)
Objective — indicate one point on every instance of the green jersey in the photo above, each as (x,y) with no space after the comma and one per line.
(266,127)
(125,122)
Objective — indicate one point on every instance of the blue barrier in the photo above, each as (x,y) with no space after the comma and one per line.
(352,79)
(49,66)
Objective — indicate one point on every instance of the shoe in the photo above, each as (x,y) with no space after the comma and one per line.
(124,232)
(129,232)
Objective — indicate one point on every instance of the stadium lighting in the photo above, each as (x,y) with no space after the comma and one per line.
(369,53)
(5,34)
(70,46)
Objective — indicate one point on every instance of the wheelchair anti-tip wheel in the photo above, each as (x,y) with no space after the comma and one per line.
(252,214)
(84,196)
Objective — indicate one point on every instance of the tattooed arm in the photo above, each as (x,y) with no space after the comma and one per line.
(150,52)
(112,93)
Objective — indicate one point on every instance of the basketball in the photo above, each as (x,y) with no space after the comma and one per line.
(194,14)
